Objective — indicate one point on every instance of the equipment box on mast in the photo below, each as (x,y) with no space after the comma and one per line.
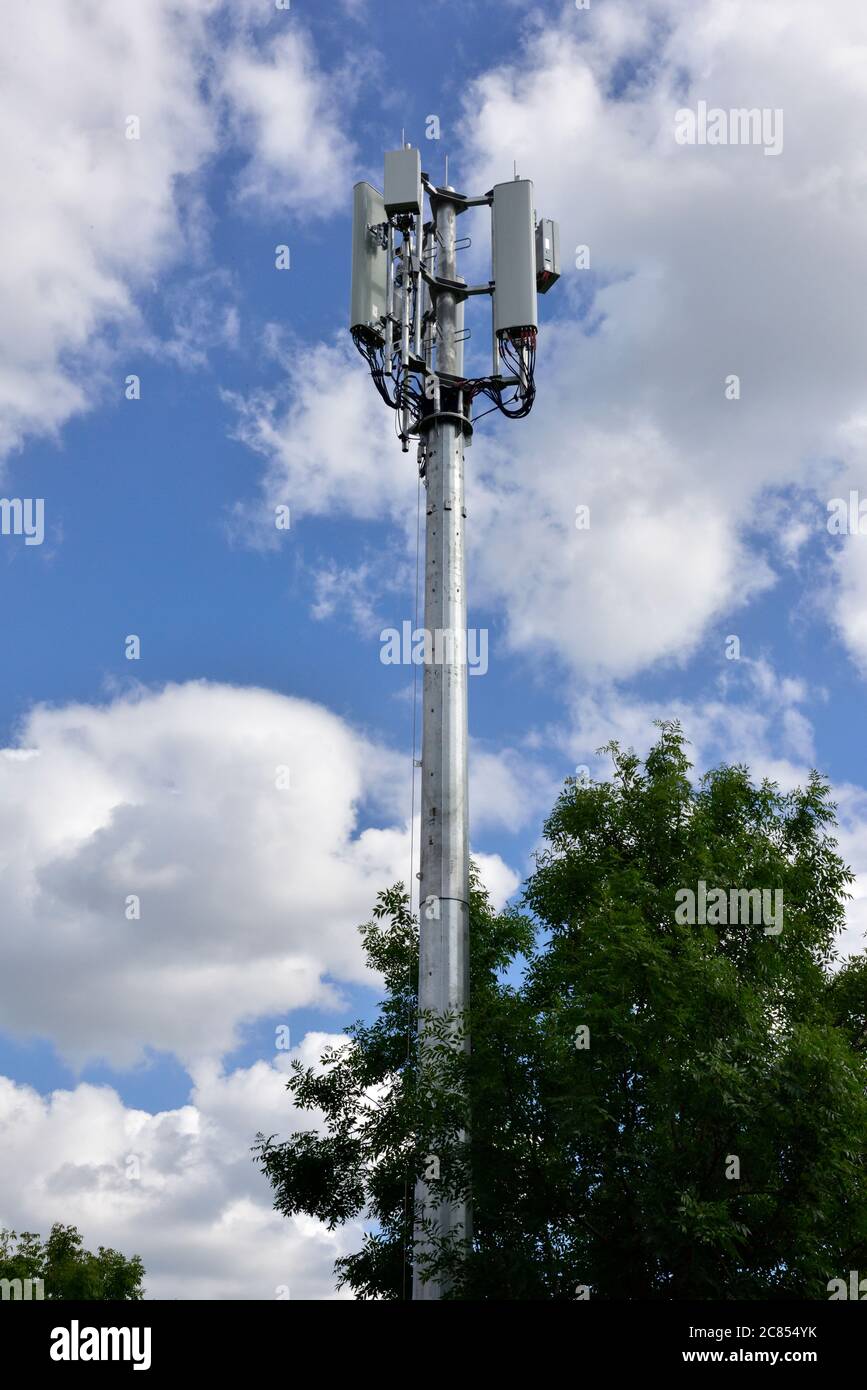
(402,181)
(547,254)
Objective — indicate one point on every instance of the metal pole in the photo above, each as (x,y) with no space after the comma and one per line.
(444,866)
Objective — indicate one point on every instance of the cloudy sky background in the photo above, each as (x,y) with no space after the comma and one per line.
(155,1039)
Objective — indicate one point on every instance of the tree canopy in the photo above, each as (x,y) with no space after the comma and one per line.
(657,1108)
(67,1270)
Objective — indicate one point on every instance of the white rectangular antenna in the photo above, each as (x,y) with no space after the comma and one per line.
(369,262)
(514,228)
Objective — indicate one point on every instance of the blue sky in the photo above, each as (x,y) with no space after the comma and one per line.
(258,649)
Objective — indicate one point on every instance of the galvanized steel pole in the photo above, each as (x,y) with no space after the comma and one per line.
(525,261)
(444,850)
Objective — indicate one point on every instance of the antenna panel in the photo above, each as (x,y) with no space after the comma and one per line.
(369,262)
(514,231)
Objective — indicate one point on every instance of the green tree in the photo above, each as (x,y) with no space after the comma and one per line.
(660,1108)
(67,1270)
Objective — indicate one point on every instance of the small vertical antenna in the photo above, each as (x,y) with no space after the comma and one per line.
(447,171)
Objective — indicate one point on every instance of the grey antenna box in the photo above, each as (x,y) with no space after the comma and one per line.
(402,181)
(547,254)
(369,261)
(514,259)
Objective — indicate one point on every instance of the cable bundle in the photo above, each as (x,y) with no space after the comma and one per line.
(517,349)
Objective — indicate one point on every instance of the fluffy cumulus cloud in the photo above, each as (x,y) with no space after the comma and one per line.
(328,441)
(229,820)
(510,789)
(285,113)
(109,116)
(178,1187)
(232,816)
(705,261)
(96,214)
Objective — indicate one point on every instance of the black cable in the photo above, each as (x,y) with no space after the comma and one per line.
(517,350)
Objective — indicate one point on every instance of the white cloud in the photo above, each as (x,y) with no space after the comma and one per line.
(500,881)
(93,215)
(656,564)
(852,835)
(178,1187)
(97,219)
(845,597)
(344,587)
(285,111)
(330,444)
(509,790)
(205,315)
(710,261)
(249,894)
